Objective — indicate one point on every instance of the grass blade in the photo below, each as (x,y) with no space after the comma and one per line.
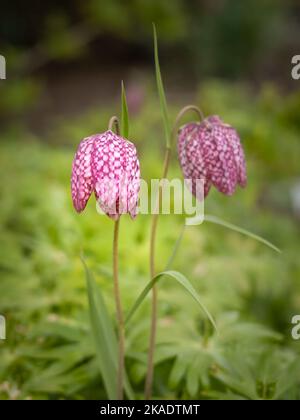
(103,334)
(175,249)
(217,221)
(124,114)
(161,91)
(183,281)
(104,337)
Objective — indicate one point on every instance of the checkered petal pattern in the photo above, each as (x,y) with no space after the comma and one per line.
(211,151)
(107,165)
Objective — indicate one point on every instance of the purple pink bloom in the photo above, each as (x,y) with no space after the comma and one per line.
(211,151)
(107,165)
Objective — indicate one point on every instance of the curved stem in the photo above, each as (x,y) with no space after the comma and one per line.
(120,319)
(152,340)
(182,112)
(114,121)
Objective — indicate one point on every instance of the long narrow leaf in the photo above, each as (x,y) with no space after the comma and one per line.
(217,221)
(104,337)
(175,249)
(183,281)
(161,91)
(124,114)
(103,334)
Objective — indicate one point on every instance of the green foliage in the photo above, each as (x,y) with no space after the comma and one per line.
(18,95)
(124,114)
(161,91)
(183,281)
(252,291)
(132,20)
(104,337)
(60,42)
(221,39)
(220,222)
(267,375)
(230,41)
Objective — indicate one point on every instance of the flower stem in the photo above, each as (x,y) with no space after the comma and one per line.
(114,122)
(182,112)
(120,319)
(149,377)
(153,328)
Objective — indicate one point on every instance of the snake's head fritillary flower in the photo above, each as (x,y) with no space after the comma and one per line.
(107,165)
(211,151)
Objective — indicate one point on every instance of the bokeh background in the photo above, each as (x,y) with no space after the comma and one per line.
(65,63)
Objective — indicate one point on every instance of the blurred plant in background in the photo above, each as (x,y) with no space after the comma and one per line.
(49,352)
(217,38)
(241,62)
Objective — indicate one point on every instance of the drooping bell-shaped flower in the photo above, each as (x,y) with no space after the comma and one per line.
(211,151)
(106,164)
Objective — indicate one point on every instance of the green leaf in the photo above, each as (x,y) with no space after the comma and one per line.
(175,249)
(104,337)
(217,221)
(288,378)
(178,371)
(161,92)
(224,396)
(183,281)
(192,379)
(124,114)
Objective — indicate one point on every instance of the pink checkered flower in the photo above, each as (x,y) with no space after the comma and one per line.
(211,151)
(107,165)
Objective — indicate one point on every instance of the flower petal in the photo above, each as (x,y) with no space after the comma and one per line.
(82,183)
(115,167)
(211,150)
(219,157)
(239,156)
(191,159)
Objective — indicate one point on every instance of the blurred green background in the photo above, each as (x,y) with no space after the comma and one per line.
(65,63)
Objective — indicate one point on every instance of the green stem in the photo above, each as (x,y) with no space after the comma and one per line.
(150,369)
(114,122)
(153,328)
(120,319)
